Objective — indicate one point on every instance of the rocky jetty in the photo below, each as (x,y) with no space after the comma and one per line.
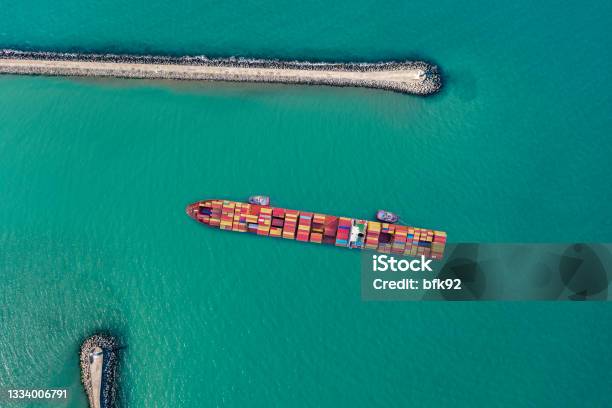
(415,77)
(98,357)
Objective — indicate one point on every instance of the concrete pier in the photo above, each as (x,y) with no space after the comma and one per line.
(414,77)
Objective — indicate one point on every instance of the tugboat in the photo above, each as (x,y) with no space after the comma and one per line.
(259,200)
(387,216)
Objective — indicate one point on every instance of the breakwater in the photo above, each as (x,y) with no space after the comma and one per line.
(414,77)
(98,357)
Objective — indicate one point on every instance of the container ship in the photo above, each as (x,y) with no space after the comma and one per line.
(258,217)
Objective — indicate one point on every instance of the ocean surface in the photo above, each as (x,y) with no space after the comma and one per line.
(95,174)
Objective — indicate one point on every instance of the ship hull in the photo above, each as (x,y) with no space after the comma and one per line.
(318,228)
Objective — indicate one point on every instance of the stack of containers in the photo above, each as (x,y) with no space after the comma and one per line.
(409,237)
(291,217)
(303,232)
(278,213)
(204,212)
(251,218)
(399,239)
(427,243)
(386,228)
(317,230)
(236,218)
(265,221)
(421,250)
(215,216)
(244,217)
(278,220)
(439,242)
(372,235)
(240,214)
(416,242)
(331,226)
(227,215)
(276,232)
(413,241)
(344,229)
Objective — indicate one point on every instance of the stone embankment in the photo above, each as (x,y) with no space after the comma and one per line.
(414,77)
(98,357)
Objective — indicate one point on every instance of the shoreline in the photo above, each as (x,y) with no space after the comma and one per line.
(411,77)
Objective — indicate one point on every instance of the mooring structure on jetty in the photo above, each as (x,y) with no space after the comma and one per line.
(413,77)
(98,357)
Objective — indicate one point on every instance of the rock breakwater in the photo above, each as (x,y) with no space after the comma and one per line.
(98,357)
(414,77)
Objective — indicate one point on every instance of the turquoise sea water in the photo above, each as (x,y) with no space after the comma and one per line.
(94,176)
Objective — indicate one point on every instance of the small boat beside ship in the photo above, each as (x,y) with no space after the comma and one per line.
(387,216)
(258,217)
(259,200)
